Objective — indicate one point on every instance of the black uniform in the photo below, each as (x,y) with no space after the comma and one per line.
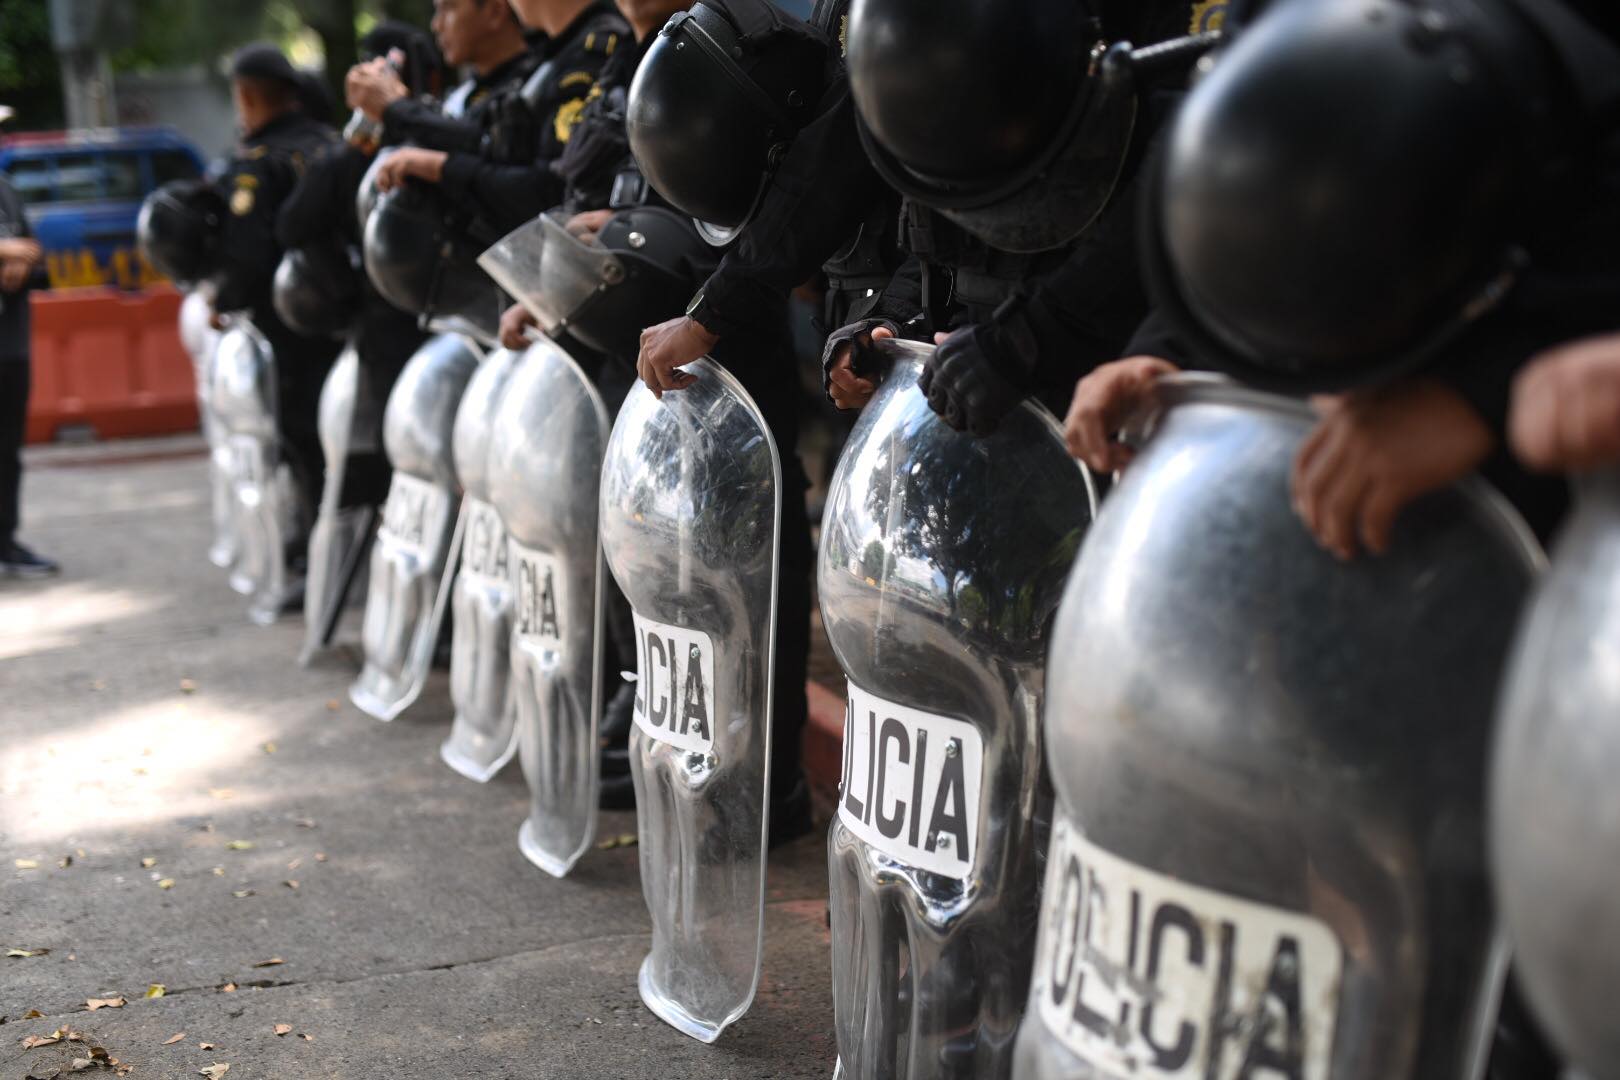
(320,212)
(507,177)
(600,173)
(826,207)
(261,176)
(14,372)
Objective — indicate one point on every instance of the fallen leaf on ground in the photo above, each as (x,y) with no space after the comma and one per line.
(188,686)
(272,962)
(64,862)
(26,864)
(320,856)
(332,704)
(166,883)
(105,1003)
(622,840)
(242,894)
(295,864)
(219,871)
(222,792)
(306,1038)
(23,954)
(172,1039)
(215,1071)
(34,1041)
(228,988)
(156,990)
(32,1014)
(240,845)
(283,1029)
(51,1075)
(148,862)
(305,823)
(205,1046)
(291,884)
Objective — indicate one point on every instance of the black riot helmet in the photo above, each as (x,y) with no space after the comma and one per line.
(179,230)
(639,270)
(316,291)
(426,264)
(1345,190)
(721,93)
(997,115)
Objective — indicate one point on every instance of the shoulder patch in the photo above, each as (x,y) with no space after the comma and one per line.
(567,116)
(247,181)
(1207,15)
(242,202)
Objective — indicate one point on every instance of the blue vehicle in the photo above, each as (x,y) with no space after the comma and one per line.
(82,191)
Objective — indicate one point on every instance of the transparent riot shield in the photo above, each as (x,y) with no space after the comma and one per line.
(201,340)
(1554,801)
(414,553)
(549,272)
(266,509)
(340,541)
(1269,852)
(545,470)
(483,737)
(943,558)
(691,527)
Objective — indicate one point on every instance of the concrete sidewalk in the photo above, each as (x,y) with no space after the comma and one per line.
(181,805)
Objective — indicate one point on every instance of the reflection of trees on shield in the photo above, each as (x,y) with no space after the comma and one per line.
(1304,754)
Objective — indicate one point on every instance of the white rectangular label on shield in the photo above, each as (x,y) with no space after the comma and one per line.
(415,508)
(1145,976)
(675,685)
(912,782)
(483,544)
(538,595)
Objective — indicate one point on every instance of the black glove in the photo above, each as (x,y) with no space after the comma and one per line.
(858,335)
(980,373)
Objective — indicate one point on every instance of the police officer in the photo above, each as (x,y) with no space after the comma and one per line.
(505,177)
(20,259)
(1023,249)
(320,214)
(279,141)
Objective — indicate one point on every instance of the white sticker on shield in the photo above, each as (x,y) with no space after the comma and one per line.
(1146,976)
(911,783)
(537,585)
(483,546)
(675,685)
(413,505)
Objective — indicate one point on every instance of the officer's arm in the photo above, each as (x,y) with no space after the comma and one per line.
(816,200)
(413,121)
(322,204)
(248,249)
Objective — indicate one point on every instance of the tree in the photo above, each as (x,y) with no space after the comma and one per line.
(30,81)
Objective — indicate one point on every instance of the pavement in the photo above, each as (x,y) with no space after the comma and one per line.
(186,811)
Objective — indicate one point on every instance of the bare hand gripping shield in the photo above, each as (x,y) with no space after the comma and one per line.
(348,425)
(545,471)
(419,534)
(265,507)
(943,559)
(1553,797)
(1269,853)
(691,527)
(483,737)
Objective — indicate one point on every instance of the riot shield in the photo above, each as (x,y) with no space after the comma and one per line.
(1554,803)
(338,543)
(201,340)
(483,737)
(943,558)
(414,553)
(691,528)
(545,466)
(1269,851)
(266,510)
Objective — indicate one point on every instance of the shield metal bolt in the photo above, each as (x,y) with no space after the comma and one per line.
(636,240)
(952,748)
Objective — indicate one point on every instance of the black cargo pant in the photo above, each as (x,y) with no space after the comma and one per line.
(14,386)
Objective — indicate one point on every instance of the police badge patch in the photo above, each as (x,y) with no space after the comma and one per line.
(1207,15)
(243,198)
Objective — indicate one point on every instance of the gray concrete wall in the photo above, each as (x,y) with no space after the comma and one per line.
(197,103)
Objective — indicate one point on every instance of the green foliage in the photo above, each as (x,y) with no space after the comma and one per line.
(29,78)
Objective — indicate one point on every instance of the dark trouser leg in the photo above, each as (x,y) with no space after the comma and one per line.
(14,385)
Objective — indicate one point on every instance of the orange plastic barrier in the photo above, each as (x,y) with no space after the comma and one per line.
(110,362)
